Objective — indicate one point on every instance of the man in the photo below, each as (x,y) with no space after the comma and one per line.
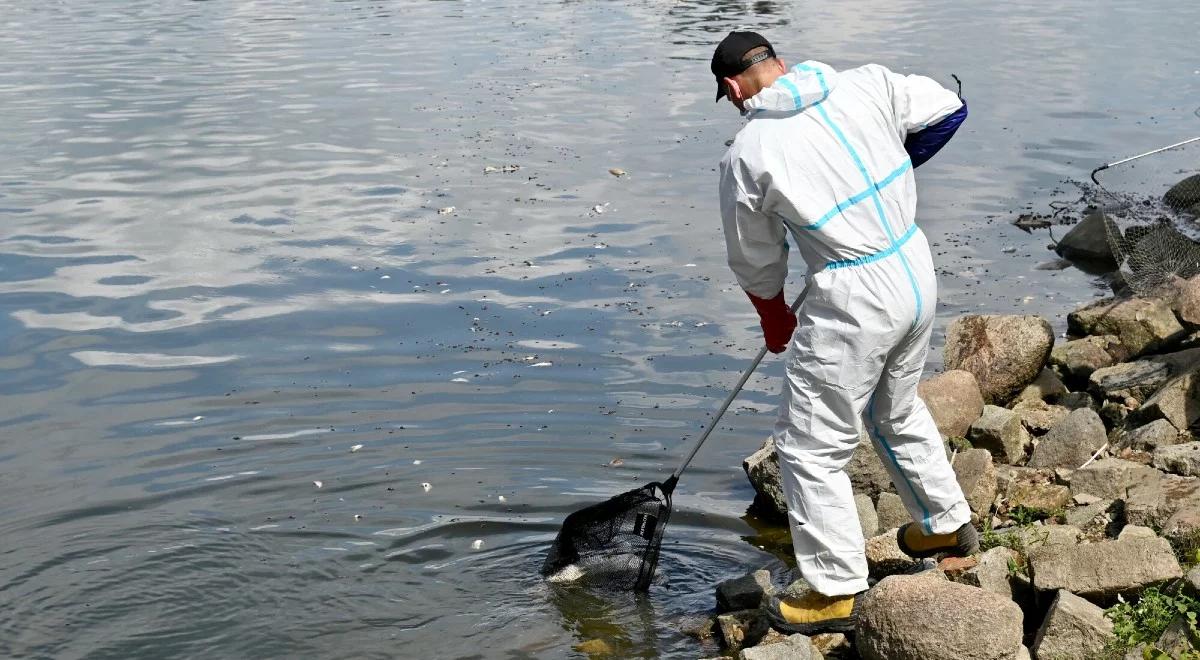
(827,156)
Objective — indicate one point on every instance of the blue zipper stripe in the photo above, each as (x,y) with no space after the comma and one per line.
(870,258)
(841,207)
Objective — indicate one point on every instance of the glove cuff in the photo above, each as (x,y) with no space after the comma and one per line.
(769,308)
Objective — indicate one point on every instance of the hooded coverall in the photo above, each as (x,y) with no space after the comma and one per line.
(823,158)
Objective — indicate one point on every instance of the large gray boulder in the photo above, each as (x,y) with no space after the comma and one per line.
(1087,242)
(1141,324)
(1071,442)
(1177,401)
(1004,352)
(977,478)
(891,512)
(1184,194)
(1109,478)
(1074,629)
(954,401)
(1181,459)
(1000,431)
(1167,502)
(762,468)
(866,470)
(1187,304)
(914,617)
(1078,358)
(884,556)
(1102,571)
(793,647)
(867,518)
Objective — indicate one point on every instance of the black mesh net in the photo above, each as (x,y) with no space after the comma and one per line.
(1151,209)
(613,544)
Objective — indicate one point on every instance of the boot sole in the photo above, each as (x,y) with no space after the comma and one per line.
(840,625)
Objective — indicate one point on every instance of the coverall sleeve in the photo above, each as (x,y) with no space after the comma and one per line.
(918,101)
(756,241)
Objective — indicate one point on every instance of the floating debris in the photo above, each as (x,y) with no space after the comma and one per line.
(417,462)
(616,462)
(477,544)
(426,486)
(1030,221)
(502,169)
(501,498)
(542,364)
(355,448)
(357,517)
(446,210)
(1009,250)
(318,484)
(385,277)
(600,208)
(617,172)
(600,246)
(197,418)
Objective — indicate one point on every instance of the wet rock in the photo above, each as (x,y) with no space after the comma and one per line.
(700,627)
(1181,459)
(891,512)
(1101,571)
(977,478)
(742,629)
(1046,387)
(1071,442)
(1038,417)
(1078,358)
(954,401)
(1074,629)
(743,593)
(1004,352)
(1184,194)
(916,618)
(1141,324)
(867,517)
(762,468)
(1109,478)
(1177,401)
(793,647)
(993,571)
(1087,242)
(1000,431)
(884,556)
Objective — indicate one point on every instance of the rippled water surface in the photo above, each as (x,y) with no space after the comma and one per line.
(240,239)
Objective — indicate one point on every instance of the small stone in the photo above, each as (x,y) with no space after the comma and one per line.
(1087,243)
(1101,571)
(977,478)
(742,629)
(954,567)
(891,512)
(1071,442)
(793,647)
(993,571)
(1136,531)
(867,517)
(884,556)
(1078,358)
(832,644)
(743,593)
(1074,629)
(1046,387)
(1004,352)
(1001,432)
(953,399)
(908,617)
(1038,417)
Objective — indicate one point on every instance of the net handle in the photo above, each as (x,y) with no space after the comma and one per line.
(1148,153)
(668,486)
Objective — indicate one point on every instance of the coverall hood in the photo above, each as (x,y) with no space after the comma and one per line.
(804,86)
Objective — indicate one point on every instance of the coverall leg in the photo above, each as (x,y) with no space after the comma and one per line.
(858,352)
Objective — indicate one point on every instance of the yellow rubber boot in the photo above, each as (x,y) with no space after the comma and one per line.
(916,543)
(813,613)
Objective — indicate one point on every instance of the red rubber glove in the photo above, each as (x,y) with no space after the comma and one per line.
(777,321)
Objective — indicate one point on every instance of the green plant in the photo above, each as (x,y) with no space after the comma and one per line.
(1186,544)
(1144,620)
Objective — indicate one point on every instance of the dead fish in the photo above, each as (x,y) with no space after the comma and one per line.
(503,169)
(355,448)
(1030,221)
(318,484)
(446,210)
(617,172)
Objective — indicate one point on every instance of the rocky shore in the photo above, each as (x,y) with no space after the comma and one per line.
(1080,460)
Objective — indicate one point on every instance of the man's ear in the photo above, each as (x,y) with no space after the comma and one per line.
(782,64)
(734,91)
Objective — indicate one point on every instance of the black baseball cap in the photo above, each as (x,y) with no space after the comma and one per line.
(729,57)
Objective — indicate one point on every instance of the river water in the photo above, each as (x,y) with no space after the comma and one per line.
(224,277)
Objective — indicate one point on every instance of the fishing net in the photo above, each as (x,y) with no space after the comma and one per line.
(613,544)
(1150,205)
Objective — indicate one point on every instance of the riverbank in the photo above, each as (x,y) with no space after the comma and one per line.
(1081,465)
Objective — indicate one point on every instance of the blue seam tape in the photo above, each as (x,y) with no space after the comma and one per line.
(882,254)
(925,522)
(841,207)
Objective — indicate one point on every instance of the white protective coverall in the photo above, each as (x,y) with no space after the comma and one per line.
(822,157)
